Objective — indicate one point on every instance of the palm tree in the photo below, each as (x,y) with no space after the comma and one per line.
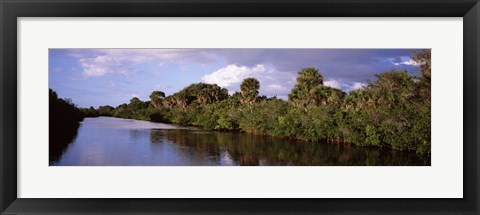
(203,96)
(309,77)
(249,91)
(181,99)
(156,98)
(168,102)
(424,59)
(308,89)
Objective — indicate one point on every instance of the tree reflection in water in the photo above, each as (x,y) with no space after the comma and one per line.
(253,150)
(60,140)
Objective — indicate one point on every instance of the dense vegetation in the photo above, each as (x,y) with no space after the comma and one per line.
(392,111)
(64,118)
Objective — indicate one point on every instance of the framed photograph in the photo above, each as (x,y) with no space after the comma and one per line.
(255,107)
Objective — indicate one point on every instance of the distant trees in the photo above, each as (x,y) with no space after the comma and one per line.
(136,104)
(122,111)
(392,111)
(89,112)
(199,93)
(106,110)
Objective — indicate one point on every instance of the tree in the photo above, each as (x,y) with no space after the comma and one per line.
(211,93)
(64,118)
(308,89)
(392,88)
(392,111)
(217,93)
(156,98)
(52,95)
(106,110)
(249,91)
(327,95)
(136,104)
(423,59)
(203,96)
(122,111)
(168,102)
(354,100)
(309,77)
(181,99)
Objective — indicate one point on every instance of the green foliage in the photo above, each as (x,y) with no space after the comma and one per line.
(64,120)
(372,136)
(106,110)
(249,91)
(122,111)
(263,119)
(89,112)
(309,90)
(62,112)
(393,111)
(156,98)
(423,58)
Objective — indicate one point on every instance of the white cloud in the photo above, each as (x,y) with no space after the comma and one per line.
(272,82)
(409,62)
(333,83)
(99,62)
(275,87)
(344,86)
(356,86)
(404,60)
(97,66)
(232,74)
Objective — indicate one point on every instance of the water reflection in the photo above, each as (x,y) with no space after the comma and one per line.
(109,141)
(253,150)
(60,139)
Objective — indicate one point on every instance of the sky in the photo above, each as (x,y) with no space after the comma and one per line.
(95,77)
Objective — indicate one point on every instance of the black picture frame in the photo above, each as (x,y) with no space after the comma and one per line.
(10,10)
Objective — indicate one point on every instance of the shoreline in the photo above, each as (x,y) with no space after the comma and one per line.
(328,140)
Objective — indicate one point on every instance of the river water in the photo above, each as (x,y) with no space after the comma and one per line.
(108,141)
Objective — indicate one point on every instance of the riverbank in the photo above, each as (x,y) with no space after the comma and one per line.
(327,140)
(109,141)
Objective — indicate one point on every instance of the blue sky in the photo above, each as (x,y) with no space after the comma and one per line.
(94,77)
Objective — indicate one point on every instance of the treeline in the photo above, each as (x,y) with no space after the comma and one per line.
(64,119)
(392,111)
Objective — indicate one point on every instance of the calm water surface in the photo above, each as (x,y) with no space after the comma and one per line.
(108,141)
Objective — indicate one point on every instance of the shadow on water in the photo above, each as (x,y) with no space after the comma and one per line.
(253,150)
(60,137)
(63,123)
